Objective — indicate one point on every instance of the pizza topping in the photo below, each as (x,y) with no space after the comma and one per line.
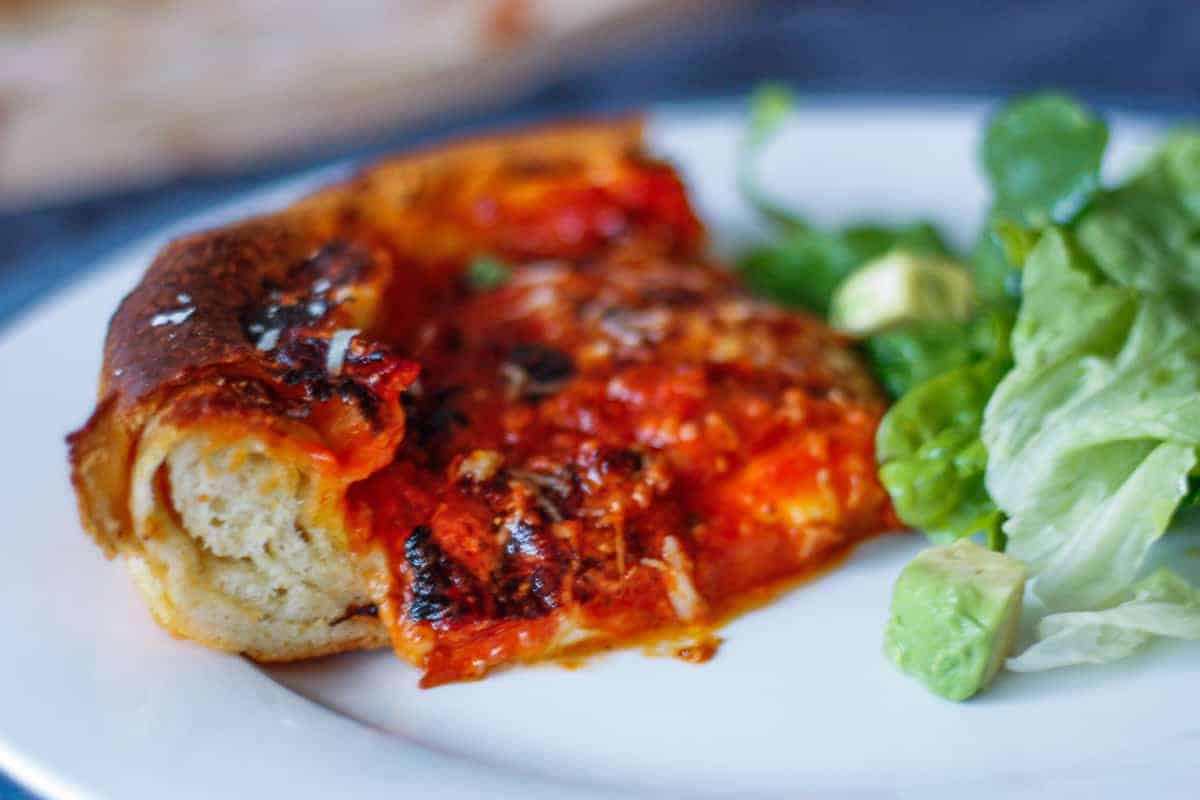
(281,314)
(687,602)
(304,303)
(572,462)
(339,344)
(534,370)
(441,589)
(480,466)
(268,340)
(644,489)
(430,582)
(175,316)
(634,328)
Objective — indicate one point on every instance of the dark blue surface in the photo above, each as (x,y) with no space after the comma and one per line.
(1138,55)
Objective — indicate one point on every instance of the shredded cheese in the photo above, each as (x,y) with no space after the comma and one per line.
(339,345)
(268,340)
(173,317)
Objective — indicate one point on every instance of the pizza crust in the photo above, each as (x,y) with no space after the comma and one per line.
(217,479)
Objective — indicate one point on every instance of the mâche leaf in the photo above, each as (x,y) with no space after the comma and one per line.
(805,265)
(1043,154)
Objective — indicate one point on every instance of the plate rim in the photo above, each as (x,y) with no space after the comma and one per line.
(27,769)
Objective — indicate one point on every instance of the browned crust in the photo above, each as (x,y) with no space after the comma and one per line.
(219,274)
(224,270)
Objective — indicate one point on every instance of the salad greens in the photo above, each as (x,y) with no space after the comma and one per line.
(932,457)
(1063,419)
(826,258)
(903,358)
(1162,604)
(1094,431)
(1042,154)
(805,264)
(1093,435)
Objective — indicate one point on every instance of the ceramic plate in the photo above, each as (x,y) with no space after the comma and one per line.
(95,700)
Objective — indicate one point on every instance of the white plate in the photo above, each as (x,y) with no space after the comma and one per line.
(95,700)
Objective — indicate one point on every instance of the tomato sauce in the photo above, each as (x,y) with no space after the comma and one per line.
(597,451)
(614,444)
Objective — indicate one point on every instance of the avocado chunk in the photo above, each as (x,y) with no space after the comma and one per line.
(901,287)
(954,617)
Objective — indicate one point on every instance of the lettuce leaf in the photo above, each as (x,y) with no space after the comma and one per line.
(1076,437)
(804,264)
(1042,154)
(1092,435)
(905,358)
(1146,234)
(932,459)
(770,105)
(1162,604)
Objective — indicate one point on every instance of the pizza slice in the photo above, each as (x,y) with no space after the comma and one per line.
(322,430)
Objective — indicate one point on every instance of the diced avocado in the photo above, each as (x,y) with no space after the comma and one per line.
(900,287)
(954,617)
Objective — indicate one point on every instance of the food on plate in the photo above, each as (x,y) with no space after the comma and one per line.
(1060,422)
(955,612)
(492,403)
(489,403)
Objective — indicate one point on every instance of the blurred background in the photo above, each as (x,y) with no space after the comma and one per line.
(120,116)
(117,116)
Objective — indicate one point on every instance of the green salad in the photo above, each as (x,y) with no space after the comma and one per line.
(1046,383)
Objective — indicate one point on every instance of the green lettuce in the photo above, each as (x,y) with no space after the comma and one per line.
(905,358)
(1064,420)
(1145,234)
(932,459)
(1162,604)
(803,264)
(1042,155)
(931,454)
(1084,446)
(770,105)
(1093,434)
